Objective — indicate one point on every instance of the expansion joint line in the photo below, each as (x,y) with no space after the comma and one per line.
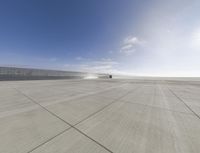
(49,139)
(31,99)
(180,99)
(112,102)
(73,126)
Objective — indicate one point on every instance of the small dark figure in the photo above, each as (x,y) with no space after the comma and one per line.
(110,76)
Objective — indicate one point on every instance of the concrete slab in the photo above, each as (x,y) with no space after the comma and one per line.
(24,131)
(119,92)
(70,142)
(157,96)
(125,127)
(116,116)
(57,92)
(190,96)
(74,111)
(12,102)
(23,124)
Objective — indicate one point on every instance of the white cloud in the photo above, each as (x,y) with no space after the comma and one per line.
(105,61)
(131,40)
(129,45)
(104,65)
(100,66)
(95,68)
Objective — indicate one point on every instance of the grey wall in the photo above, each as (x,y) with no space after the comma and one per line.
(13,73)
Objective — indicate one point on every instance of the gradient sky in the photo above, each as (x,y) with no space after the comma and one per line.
(138,37)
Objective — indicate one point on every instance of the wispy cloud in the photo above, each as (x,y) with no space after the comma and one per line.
(129,45)
(104,65)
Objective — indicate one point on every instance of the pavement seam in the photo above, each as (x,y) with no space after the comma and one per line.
(74,98)
(180,99)
(81,132)
(34,101)
(73,126)
(156,107)
(87,95)
(43,107)
(49,139)
(114,101)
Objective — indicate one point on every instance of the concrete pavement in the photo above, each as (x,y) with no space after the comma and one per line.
(100,116)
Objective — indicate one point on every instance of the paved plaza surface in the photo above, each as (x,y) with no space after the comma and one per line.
(100,116)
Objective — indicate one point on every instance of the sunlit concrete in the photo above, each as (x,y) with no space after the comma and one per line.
(100,116)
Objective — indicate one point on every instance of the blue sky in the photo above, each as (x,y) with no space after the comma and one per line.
(138,37)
